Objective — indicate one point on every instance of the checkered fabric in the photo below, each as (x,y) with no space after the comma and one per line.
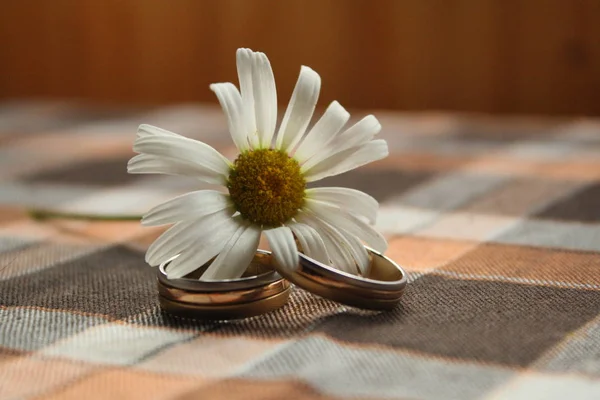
(497,221)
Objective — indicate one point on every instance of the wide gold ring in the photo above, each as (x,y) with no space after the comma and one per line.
(381,289)
(260,290)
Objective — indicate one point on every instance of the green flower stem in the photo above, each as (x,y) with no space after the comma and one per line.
(40,215)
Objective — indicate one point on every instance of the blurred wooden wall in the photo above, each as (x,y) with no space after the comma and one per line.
(527,56)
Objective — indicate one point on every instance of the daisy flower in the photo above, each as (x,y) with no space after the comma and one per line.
(266,183)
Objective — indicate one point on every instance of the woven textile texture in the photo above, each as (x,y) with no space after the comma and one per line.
(497,221)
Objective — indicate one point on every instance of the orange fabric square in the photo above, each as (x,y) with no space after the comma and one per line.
(24,377)
(527,263)
(209,355)
(421,254)
(126,384)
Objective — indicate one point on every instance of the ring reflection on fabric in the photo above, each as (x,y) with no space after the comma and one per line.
(260,290)
(380,290)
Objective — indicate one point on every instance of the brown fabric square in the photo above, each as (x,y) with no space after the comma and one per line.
(381,184)
(487,321)
(581,206)
(96,172)
(114,282)
(521,196)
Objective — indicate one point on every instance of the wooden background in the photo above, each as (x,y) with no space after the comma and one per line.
(503,56)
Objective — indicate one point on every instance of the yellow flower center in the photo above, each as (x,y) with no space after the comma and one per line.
(266,186)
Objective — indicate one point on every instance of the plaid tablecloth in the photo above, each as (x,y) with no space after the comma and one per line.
(497,221)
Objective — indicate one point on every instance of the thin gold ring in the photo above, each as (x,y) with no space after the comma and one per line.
(381,289)
(260,290)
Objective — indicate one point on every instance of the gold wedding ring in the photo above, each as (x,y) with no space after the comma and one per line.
(264,287)
(381,289)
(260,290)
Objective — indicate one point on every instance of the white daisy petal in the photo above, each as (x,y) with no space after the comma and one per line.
(244,68)
(187,206)
(168,160)
(332,121)
(202,250)
(348,222)
(170,242)
(311,242)
(187,150)
(183,235)
(352,200)
(146,130)
(231,103)
(283,247)
(335,242)
(347,160)
(349,248)
(300,109)
(151,164)
(358,134)
(358,251)
(265,99)
(235,257)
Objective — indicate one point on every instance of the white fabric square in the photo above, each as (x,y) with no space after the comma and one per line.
(469,226)
(402,220)
(532,386)
(115,344)
(561,235)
